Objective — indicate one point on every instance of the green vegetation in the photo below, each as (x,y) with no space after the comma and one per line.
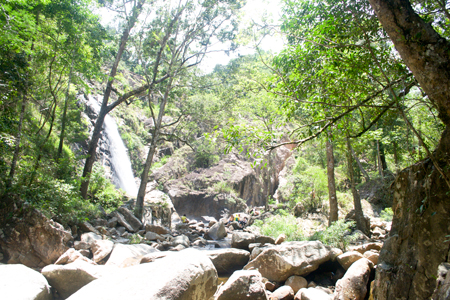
(281,224)
(387,214)
(337,235)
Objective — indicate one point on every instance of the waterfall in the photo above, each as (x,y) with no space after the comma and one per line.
(122,173)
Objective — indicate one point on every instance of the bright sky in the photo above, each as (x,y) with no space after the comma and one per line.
(254,10)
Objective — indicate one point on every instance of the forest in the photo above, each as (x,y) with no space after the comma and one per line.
(359,93)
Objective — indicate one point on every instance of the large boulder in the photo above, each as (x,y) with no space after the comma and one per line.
(241,240)
(21,282)
(353,286)
(243,285)
(284,292)
(228,260)
(70,256)
(122,221)
(348,258)
(292,258)
(34,240)
(187,274)
(217,231)
(128,255)
(130,218)
(67,279)
(101,249)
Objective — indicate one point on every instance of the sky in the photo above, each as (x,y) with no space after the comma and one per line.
(253,11)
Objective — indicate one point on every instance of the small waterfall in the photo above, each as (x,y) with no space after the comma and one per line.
(122,173)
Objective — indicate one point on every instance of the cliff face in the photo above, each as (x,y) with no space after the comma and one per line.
(231,185)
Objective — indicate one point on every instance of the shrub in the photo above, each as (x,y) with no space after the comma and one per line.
(223,187)
(205,155)
(102,191)
(337,235)
(279,224)
(135,238)
(387,214)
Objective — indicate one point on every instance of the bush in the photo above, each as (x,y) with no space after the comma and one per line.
(223,187)
(102,191)
(337,235)
(59,201)
(279,224)
(205,155)
(387,214)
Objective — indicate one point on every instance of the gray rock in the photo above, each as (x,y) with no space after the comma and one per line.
(21,282)
(101,249)
(157,229)
(241,240)
(217,231)
(354,283)
(131,219)
(284,292)
(296,283)
(68,279)
(151,236)
(312,294)
(188,274)
(81,245)
(90,237)
(181,240)
(126,255)
(122,221)
(87,227)
(112,222)
(228,260)
(243,285)
(262,239)
(292,258)
(70,256)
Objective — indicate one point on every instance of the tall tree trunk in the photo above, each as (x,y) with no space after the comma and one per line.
(331,181)
(396,160)
(380,164)
(416,244)
(363,171)
(139,209)
(66,104)
(104,110)
(361,221)
(12,171)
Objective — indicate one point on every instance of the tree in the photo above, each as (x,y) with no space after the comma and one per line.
(185,32)
(425,52)
(334,213)
(105,108)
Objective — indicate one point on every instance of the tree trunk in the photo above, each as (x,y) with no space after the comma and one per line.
(363,171)
(380,164)
(104,110)
(12,171)
(417,245)
(66,104)
(139,209)
(361,221)
(331,181)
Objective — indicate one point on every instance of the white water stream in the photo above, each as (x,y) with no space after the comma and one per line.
(122,172)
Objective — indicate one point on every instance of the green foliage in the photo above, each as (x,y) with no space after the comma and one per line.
(281,224)
(160,163)
(223,187)
(337,235)
(102,191)
(58,200)
(206,154)
(387,214)
(135,238)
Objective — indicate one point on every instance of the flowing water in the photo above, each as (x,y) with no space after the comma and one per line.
(122,173)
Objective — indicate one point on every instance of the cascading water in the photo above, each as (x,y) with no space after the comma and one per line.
(122,173)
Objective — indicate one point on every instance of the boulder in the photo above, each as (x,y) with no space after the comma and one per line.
(353,286)
(368,246)
(243,285)
(122,221)
(217,231)
(70,256)
(126,255)
(312,293)
(130,218)
(20,282)
(280,262)
(284,292)
(101,249)
(188,274)
(68,279)
(156,229)
(90,237)
(88,227)
(80,245)
(241,240)
(256,250)
(34,240)
(280,239)
(229,259)
(181,240)
(372,256)
(348,258)
(152,236)
(262,239)
(296,283)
